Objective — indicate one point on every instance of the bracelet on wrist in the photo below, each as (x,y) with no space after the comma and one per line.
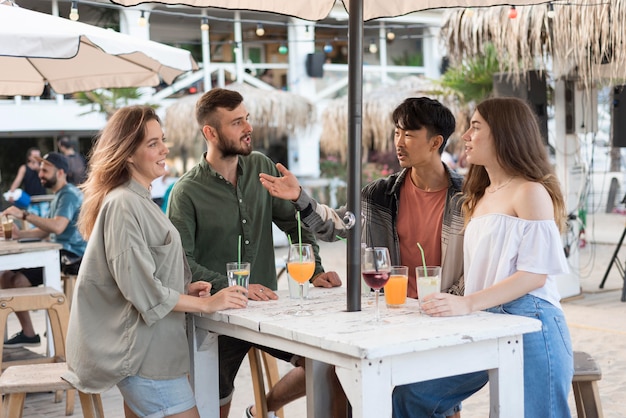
(25,214)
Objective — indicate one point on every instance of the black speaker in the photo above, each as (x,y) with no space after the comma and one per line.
(533,89)
(618,116)
(315,64)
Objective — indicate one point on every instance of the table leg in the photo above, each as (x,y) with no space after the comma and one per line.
(368,386)
(318,389)
(204,370)
(51,278)
(506,383)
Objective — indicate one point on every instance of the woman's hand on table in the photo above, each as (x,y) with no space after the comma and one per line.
(260,292)
(327,279)
(444,304)
(231,297)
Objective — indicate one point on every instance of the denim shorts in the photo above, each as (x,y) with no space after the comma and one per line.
(157,398)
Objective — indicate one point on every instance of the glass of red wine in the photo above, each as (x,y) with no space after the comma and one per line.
(375,269)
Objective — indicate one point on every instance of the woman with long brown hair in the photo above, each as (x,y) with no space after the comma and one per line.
(513,251)
(127,323)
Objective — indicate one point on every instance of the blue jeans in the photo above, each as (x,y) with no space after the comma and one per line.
(548,358)
(548,371)
(157,398)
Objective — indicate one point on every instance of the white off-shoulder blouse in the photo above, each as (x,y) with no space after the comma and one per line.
(498,245)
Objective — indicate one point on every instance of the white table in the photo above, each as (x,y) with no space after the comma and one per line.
(16,255)
(369,359)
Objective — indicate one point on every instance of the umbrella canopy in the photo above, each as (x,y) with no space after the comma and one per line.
(274,114)
(586,37)
(39,48)
(319,9)
(358,12)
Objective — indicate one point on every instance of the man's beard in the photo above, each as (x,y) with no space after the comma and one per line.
(49,183)
(230,150)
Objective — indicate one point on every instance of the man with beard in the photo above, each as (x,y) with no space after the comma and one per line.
(59,226)
(223,214)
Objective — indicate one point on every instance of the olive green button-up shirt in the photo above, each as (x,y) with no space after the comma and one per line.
(131,277)
(211,214)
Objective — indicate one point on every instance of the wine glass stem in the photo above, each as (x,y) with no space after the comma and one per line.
(377,317)
(301,285)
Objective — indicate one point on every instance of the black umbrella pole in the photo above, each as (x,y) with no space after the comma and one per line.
(355,130)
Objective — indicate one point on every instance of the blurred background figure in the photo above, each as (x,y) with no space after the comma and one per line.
(28,178)
(162,185)
(78,166)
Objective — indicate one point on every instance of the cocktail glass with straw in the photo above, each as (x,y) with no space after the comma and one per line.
(428,279)
(375,269)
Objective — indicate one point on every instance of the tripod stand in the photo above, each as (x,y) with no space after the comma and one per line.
(621,268)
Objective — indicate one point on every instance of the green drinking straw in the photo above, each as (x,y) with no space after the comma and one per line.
(423,259)
(340,238)
(299,235)
(239,252)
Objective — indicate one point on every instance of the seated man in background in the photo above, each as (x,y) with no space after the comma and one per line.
(59,226)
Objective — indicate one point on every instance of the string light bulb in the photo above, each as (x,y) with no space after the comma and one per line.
(74,11)
(328,48)
(391,35)
(282,49)
(142,19)
(204,25)
(551,12)
(260,31)
(373,48)
(512,12)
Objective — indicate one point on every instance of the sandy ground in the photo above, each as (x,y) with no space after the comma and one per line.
(595,318)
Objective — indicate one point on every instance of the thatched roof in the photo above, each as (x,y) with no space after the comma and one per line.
(274,114)
(576,41)
(378,106)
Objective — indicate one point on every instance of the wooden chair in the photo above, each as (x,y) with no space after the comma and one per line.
(17,381)
(260,360)
(69,281)
(585,386)
(35,298)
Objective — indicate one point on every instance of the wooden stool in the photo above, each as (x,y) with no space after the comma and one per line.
(69,281)
(259,360)
(17,381)
(585,386)
(34,298)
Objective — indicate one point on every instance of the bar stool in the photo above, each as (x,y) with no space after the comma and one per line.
(35,298)
(585,386)
(30,299)
(69,281)
(260,360)
(17,381)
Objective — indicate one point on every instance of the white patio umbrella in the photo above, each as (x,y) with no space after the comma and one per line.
(358,11)
(39,48)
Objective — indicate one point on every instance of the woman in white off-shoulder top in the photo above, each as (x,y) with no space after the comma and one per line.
(514,211)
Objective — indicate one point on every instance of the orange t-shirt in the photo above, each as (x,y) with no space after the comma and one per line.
(420,217)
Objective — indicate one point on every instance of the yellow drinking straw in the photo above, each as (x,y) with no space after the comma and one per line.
(423,259)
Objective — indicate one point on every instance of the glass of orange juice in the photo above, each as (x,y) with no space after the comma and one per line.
(300,266)
(396,287)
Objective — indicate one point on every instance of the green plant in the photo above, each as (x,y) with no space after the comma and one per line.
(413,60)
(107,101)
(472,80)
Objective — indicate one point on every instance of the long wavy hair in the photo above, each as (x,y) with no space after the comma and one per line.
(519,150)
(108,160)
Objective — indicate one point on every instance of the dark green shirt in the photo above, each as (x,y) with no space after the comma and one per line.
(211,213)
